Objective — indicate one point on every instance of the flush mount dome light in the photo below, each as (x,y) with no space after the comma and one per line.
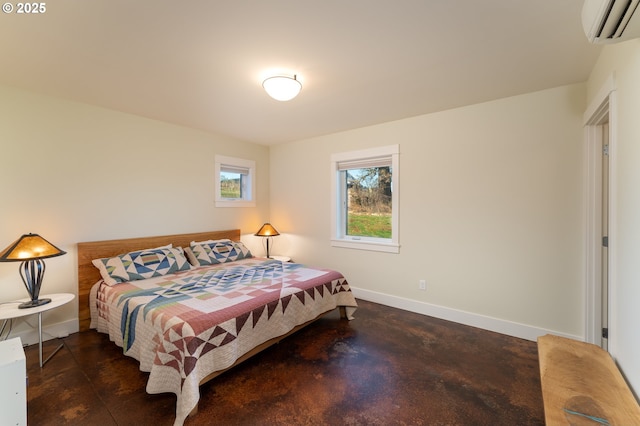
(282,88)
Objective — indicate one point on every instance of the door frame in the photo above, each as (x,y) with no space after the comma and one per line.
(602,109)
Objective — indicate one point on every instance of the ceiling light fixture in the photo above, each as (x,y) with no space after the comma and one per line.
(282,88)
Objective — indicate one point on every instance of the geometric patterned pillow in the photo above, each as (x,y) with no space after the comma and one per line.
(140,265)
(219,252)
(224,240)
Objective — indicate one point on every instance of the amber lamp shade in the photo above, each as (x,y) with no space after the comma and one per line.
(268,231)
(30,249)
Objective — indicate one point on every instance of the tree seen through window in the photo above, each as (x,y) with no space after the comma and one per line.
(231,185)
(369,202)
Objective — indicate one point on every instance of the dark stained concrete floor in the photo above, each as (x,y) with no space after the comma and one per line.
(386,367)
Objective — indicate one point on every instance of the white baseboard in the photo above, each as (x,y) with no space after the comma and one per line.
(497,325)
(52,331)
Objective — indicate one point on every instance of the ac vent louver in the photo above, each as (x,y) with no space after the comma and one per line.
(610,21)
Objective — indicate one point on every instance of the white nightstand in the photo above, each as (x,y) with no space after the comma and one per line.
(281,258)
(10,311)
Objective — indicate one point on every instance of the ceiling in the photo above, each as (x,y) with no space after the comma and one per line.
(200,63)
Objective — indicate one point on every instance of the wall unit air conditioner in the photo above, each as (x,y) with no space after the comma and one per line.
(611,21)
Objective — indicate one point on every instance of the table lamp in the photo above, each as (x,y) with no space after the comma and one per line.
(30,249)
(267,231)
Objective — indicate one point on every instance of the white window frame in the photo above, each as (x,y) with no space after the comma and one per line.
(338,205)
(248,191)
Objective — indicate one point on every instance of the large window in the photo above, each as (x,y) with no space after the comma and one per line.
(365,199)
(235,182)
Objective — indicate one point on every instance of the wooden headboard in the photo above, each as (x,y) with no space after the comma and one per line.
(88,274)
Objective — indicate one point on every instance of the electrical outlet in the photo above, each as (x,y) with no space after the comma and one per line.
(422,284)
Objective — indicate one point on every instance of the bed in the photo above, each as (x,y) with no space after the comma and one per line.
(186,324)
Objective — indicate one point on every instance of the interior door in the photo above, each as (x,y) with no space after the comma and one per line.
(605,236)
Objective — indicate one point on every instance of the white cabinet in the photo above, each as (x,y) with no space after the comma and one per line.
(13,386)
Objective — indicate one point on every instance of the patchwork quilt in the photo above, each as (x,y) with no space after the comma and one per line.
(184,326)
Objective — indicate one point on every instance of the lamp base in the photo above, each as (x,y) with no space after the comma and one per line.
(33,303)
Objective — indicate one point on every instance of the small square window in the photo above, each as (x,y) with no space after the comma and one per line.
(235,182)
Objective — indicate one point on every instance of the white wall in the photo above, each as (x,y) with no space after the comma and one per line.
(73,172)
(490,213)
(623,61)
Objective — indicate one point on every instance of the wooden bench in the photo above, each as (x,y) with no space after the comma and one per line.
(581,385)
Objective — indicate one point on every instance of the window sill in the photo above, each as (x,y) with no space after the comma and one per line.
(238,203)
(367,245)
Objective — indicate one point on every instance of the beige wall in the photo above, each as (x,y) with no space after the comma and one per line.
(490,212)
(73,172)
(623,61)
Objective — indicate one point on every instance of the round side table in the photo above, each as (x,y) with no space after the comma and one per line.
(10,310)
(283,259)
